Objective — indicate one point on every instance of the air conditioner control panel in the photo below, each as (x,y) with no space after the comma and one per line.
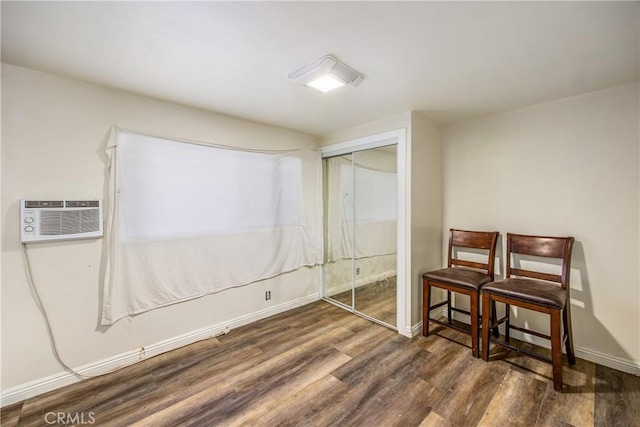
(28,218)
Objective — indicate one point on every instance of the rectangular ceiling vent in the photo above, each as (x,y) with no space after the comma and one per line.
(47,220)
(325,74)
(346,74)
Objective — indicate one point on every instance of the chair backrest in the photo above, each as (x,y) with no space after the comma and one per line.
(548,247)
(474,240)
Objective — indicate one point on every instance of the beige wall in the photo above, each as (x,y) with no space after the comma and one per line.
(53,132)
(426,206)
(566,167)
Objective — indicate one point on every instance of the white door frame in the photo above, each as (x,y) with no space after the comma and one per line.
(403,257)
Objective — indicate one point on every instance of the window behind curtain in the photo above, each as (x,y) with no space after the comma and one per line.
(173,189)
(189,220)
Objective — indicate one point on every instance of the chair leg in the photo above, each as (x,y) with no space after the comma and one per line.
(449,307)
(494,314)
(486,324)
(507,325)
(426,303)
(566,317)
(474,303)
(556,350)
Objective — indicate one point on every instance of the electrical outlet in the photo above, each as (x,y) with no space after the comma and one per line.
(357,270)
(267,295)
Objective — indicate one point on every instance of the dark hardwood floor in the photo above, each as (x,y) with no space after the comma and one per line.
(319,365)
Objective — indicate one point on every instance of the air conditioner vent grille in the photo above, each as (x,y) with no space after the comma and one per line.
(83,203)
(44,204)
(55,223)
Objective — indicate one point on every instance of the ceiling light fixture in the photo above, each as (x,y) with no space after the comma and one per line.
(325,74)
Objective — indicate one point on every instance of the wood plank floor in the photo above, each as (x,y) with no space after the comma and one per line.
(319,365)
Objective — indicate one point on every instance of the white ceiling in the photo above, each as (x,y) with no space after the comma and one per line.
(450,60)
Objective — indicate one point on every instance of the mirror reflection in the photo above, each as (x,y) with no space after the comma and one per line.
(361,202)
(338,263)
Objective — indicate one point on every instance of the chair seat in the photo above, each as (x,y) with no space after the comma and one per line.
(528,290)
(462,277)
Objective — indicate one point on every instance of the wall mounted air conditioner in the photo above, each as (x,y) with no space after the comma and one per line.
(46,220)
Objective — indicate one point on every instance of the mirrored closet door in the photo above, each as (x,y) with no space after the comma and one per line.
(338,235)
(361,200)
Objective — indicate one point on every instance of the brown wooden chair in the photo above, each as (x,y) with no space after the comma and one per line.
(534,291)
(464,277)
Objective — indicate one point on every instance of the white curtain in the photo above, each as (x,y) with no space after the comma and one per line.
(188,219)
(363,200)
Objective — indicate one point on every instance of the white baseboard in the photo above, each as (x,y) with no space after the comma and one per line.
(416,329)
(52,382)
(609,361)
(613,362)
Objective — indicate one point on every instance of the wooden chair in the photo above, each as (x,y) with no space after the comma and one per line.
(463,277)
(534,291)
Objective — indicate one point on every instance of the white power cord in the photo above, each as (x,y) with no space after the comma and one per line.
(54,346)
(47,322)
